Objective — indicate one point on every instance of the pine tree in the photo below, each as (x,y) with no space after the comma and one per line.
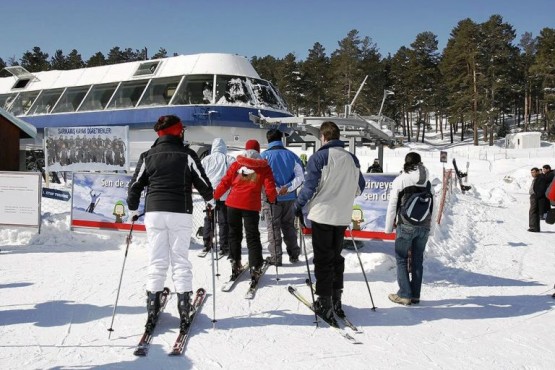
(544,69)
(461,74)
(59,61)
(346,72)
(74,60)
(35,61)
(161,53)
(96,60)
(315,72)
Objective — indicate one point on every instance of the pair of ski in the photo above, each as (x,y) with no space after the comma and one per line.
(254,284)
(460,176)
(334,325)
(182,337)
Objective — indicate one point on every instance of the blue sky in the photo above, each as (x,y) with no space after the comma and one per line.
(249,28)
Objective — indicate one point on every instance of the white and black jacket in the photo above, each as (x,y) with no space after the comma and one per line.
(169,170)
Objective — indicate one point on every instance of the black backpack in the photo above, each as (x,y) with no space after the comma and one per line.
(419,203)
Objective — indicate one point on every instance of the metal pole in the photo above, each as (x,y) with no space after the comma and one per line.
(362,267)
(302,241)
(274,237)
(214,253)
(128,241)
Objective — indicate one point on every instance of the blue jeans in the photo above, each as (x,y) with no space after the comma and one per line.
(413,238)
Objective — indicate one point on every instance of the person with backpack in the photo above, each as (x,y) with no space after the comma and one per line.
(409,211)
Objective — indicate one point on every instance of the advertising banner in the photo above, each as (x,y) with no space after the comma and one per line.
(98,148)
(99,201)
(20,195)
(369,209)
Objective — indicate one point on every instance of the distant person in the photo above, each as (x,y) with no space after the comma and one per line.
(280,217)
(216,165)
(169,170)
(375,167)
(537,200)
(94,201)
(410,240)
(549,175)
(207,94)
(332,182)
(246,178)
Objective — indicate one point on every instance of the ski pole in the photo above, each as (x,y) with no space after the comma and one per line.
(274,237)
(128,241)
(214,260)
(362,267)
(302,241)
(215,233)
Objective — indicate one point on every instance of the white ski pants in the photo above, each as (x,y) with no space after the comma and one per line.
(169,237)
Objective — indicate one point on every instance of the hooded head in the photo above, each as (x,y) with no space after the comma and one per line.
(169,125)
(218,146)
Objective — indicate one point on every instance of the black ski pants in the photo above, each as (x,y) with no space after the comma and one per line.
(329,264)
(236,218)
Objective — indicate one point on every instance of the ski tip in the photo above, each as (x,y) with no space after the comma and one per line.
(291,289)
(166,290)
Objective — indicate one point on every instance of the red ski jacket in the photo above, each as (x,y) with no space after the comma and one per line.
(246,177)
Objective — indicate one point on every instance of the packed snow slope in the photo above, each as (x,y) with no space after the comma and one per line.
(486,299)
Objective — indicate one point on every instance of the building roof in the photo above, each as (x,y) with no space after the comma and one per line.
(26,130)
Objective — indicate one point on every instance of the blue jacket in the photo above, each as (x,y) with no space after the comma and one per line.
(286,167)
(332,182)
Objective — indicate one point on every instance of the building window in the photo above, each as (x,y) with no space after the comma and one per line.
(127,95)
(147,68)
(23,102)
(71,99)
(98,97)
(160,91)
(195,89)
(232,90)
(45,102)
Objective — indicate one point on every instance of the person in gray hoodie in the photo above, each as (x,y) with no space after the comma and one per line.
(410,240)
(216,165)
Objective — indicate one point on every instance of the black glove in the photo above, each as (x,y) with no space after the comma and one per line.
(134,215)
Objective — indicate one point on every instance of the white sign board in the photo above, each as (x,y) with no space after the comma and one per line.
(20,195)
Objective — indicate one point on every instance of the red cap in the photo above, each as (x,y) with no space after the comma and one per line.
(252,144)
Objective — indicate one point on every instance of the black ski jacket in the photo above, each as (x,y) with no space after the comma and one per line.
(170,170)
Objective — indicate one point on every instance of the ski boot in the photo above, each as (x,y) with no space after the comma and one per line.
(152,309)
(235,269)
(184,308)
(323,308)
(207,246)
(336,300)
(256,272)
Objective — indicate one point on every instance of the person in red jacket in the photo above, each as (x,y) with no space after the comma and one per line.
(246,177)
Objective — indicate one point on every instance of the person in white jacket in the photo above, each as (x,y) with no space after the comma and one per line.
(216,165)
(410,240)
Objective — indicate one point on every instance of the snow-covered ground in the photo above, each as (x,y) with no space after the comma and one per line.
(486,300)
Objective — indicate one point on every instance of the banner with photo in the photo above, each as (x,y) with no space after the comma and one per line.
(369,209)
(95,148)
(99,201)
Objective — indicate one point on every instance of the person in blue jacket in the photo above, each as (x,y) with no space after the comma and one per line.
(280,217)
